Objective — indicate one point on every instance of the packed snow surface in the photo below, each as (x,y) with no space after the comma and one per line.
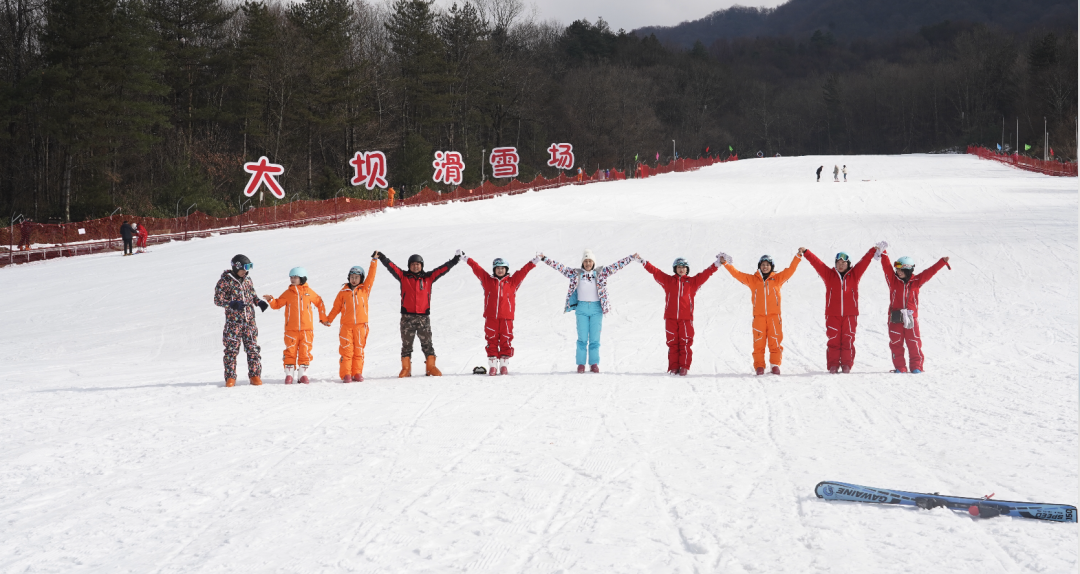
(121,451)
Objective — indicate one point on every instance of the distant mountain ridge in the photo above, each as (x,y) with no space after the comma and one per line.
(847,19)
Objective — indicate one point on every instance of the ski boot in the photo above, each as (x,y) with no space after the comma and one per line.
(916,371)
(346,379)
(834,370)
(230,382)
(493,366)
(682,372)
(406,367)
(759,370)
(594,368)
(358,378)
(289,372)
(432,370)
(256,381)
(846,369)
(303,375)
(504,362)
(581,368)
(775,369)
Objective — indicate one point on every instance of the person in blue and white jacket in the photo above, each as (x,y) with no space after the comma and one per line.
(588,298)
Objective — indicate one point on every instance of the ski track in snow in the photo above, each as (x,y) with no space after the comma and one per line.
(121,451)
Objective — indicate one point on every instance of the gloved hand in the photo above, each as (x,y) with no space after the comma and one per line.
(638,258)
(262,304)
(236,305)
(375,254)
(722,258)
(536,260)
(882,245)
(461,256)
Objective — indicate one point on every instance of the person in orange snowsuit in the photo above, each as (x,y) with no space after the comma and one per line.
(390,194)
(298,300)
(765,294)
(352,303)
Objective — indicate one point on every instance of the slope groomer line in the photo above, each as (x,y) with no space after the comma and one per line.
(587,296)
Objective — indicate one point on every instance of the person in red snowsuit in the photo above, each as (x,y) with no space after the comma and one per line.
(416,287)
(904,286)
(500,297)
(841,306)
(679,292)
(141,235)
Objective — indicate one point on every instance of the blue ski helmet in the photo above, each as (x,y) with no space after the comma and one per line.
(298,272)
(843,257)
(904,263)
(766,258)
(499,262)
(357,270)
(680,262)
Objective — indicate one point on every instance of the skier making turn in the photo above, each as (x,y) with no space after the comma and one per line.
(904,286)
(764,287)
(298,300)
(588,298)
(236,294)
(679,292)
(352,303)
(500,295)
(416,286)
(841,306)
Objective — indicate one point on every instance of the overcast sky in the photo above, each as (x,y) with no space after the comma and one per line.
(631,14)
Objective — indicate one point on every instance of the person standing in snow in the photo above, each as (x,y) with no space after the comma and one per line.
(236,294)
(500,297)
(416,287)
(904,287)
(841,306)
(127,234)
(820,167)
(588,298)
(844,170)
(765,287)
(352,303)
(836,173)
(141,233)
(679,292)
(298,300)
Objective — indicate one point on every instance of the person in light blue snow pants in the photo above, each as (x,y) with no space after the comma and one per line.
(590,319)
(588,298)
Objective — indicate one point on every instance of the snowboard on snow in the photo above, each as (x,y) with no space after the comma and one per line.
(981,507)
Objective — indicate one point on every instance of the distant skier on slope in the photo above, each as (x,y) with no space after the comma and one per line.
(588,298)
(416,287)
(841,306)
(904,287)
(352,303)
(141,233)
(844,170)
(836,173)
(127,234)
(236,294)
(298,300)
(680,290)
(500,295)
(765,287)
(820,167)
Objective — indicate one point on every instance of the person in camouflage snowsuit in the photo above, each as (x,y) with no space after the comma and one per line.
(236,294)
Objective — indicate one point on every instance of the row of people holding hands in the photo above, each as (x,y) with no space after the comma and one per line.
(586,296)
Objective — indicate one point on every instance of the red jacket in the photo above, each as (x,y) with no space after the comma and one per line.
(679,291)
(841,291)
(500,295)
(416,287)
(905,294)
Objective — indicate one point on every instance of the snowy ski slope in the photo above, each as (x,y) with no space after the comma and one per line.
(120,450)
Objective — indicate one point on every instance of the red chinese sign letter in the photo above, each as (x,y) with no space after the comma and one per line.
(264,172)
(504,162)
(562,155)
(448,167)
(369,169)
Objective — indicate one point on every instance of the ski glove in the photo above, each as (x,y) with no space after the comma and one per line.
(461,256)
(722,258)
(262,304)
(536,260)
(881,245)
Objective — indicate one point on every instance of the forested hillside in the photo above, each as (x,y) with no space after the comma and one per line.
(152,105)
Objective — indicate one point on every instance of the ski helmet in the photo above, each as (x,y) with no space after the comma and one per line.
(766,258)
(843,257)
(357,270)
(416,259)
(904,263)
(499,262)
(680,262)
(298,272)
(241,262)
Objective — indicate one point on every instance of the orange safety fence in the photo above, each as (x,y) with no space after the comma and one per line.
(48,241)
(1063,169)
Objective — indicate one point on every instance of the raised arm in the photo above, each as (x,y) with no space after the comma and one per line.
(477,270)
(929,273)
(567,272)
(782,276)
(370,279)
(863,263)
(394,270)
(611,269)
(520,274)
(739,276)
(657,274)
(821,268)
(700,279)
(444,268)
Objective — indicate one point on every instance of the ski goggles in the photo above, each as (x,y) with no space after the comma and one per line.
(842,257)
(246,267)
(900,265)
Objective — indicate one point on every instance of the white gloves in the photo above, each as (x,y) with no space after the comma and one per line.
(638,259)
(536,260)
(461,255)
(881,246)
(722,258)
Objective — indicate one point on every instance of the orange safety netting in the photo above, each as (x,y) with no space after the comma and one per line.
(48,241)
(1058,168)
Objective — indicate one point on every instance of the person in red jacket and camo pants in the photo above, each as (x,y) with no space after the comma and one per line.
(904,286)
(679,292)
(841,306)
(500,295)
(416,287)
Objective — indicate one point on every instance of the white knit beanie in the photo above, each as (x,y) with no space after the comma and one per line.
(588,255)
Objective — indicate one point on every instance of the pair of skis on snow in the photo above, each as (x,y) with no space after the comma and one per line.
(982,507)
